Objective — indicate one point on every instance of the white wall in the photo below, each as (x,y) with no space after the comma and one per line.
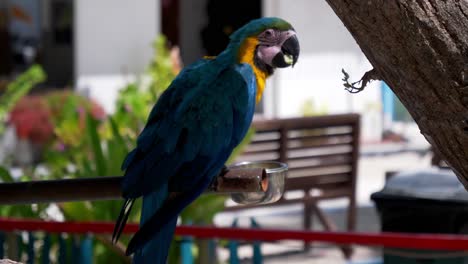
(112,38)
(326,48)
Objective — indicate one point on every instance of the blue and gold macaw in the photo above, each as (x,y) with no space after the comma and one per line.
(193,128)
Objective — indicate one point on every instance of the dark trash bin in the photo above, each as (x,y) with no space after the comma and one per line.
(423,201)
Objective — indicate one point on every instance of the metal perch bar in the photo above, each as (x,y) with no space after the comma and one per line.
(108,188)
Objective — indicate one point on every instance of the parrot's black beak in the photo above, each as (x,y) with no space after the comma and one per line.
(289,53)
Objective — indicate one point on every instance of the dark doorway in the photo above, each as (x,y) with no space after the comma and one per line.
(224,17)
(170,21)
(41,32)
(202,27)
(58,49)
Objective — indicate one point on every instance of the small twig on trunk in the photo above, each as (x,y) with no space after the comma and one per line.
(371,75)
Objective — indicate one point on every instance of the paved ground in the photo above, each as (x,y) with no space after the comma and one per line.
(371,178)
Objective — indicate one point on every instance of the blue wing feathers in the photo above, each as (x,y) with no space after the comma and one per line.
(160,241)
(189,135)
(208,118)
(128,159)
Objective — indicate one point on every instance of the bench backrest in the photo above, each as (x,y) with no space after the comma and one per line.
(321,152)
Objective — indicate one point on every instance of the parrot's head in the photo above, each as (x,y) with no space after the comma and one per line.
(268,43)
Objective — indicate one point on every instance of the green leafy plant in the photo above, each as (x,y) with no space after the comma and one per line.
(97,146)
(103,157)
(17,89)
(162,69)
(14,92)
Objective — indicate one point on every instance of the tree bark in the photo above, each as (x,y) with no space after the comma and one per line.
(420,49)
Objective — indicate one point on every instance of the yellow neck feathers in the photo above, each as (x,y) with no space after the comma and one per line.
(246,55)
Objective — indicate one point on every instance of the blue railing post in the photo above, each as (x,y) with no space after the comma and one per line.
(45,259)
(212,250)
(2,245)
(75,249)
(86,249)
(31,255)
(19,245)
(257,251)
(62,255)
(233,245)
(186,256)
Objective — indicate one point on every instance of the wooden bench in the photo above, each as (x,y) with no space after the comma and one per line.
(322,154)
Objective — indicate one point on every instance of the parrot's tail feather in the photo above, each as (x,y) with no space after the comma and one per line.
(156,250)
(122,219)
(157,221)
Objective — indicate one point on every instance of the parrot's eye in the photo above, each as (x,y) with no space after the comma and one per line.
(269,34)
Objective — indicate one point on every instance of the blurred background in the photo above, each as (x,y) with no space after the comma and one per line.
(77,79)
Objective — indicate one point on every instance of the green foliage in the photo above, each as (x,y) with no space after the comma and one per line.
(68,111)
(103,158)
(14,92)
(88,144)
(72,133)
(95,143)
(132,108)
(17,89)
(97,147)
(5,175)
(162,69)
(136,99)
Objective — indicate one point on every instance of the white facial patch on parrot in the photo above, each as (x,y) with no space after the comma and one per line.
(267,53)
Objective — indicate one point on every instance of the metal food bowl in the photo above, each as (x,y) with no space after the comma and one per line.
(275,177)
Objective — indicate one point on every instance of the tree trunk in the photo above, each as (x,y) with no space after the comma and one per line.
(420,49)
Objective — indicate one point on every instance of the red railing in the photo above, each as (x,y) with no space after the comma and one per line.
(393,240)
